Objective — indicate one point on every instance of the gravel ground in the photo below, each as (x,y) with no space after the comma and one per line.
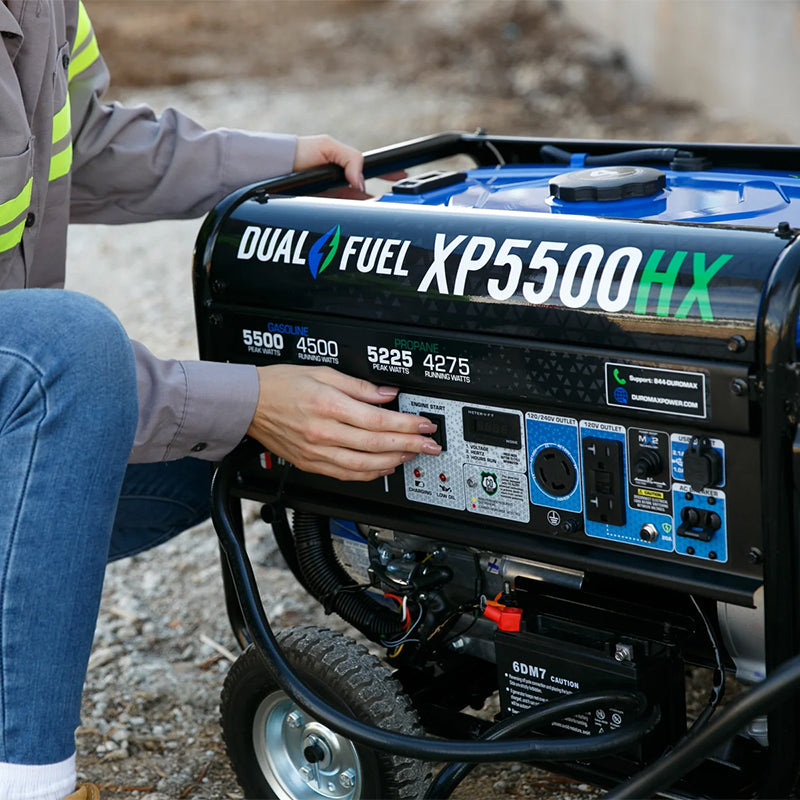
(163,643)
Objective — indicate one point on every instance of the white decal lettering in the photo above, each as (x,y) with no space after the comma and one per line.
(634,258)
(366,257)
(387,251)
(401,257)
(266,244)
(348,249)
(505,258)
(297,258)
(568,297)
(540,260)
(249,240)
(438,268)
(476,256)
(283,252)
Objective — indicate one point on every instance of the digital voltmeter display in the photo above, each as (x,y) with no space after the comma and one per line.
(495,428)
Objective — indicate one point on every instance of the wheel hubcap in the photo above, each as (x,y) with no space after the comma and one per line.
(301,758)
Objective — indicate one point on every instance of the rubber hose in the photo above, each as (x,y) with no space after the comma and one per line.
(284,538)
(421,747)
(648,154)
(332,586)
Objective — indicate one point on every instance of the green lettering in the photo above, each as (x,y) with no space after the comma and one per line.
(651,275)
(699,290)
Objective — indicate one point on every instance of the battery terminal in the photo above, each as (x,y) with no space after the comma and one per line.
(508,618)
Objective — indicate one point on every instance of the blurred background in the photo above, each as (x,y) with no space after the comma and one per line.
(680,69)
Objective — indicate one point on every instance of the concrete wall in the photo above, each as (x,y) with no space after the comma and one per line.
(740,58)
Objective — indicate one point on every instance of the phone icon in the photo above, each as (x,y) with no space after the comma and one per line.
(617,378)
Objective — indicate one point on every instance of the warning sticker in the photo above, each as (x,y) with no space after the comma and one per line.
(663,391)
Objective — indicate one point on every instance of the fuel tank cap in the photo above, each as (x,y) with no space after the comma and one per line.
(607,183)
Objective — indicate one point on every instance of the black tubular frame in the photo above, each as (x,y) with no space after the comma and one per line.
(778,396)
(539,749)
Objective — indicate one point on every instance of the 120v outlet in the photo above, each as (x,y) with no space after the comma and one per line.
(604,481)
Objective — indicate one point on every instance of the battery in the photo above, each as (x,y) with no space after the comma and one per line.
(534,669)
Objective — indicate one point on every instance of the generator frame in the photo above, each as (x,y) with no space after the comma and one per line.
(774,389)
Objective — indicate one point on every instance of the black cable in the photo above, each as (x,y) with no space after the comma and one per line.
(555,154)
(780,684)
(426,748)
(445,783)
(718,676)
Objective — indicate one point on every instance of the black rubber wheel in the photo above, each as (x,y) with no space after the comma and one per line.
(278,751)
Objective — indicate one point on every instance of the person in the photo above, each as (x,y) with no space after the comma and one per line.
(104,448)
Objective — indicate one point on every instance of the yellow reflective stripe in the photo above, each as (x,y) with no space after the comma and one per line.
(60,163)
(84,59)
(84,26)
(12,208)
(61,123)
(12,238)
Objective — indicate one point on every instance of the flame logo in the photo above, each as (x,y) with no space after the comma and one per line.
(322,251)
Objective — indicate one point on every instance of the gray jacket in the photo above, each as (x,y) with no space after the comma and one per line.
(65,156)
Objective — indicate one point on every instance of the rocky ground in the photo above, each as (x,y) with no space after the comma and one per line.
(370,73)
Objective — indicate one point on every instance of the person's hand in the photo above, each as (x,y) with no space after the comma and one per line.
(323,421)
(314,151)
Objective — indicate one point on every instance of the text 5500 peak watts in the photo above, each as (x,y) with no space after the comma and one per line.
(605,335)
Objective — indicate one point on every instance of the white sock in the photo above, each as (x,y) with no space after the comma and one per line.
(37,781)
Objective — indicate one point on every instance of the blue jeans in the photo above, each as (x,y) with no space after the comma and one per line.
(68,411)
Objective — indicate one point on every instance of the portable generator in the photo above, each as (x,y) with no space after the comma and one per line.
(604,333)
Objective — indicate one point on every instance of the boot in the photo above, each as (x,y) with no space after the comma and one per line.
(86,791)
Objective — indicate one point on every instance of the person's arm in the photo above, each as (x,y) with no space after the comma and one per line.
(325,422)
(190,408)
(131,165)
(317,418)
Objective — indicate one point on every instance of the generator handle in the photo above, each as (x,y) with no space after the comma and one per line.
(381,161)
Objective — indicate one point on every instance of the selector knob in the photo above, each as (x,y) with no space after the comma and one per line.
(648,464)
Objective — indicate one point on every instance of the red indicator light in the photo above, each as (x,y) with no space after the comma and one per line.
(418,473)
(442,477)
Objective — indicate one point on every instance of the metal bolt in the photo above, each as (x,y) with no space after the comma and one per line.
(347,779)
(737,343)
(623,652)
(306,773)
(457,644)
(755,556)
(739,387)
(294,720)
(569,526)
